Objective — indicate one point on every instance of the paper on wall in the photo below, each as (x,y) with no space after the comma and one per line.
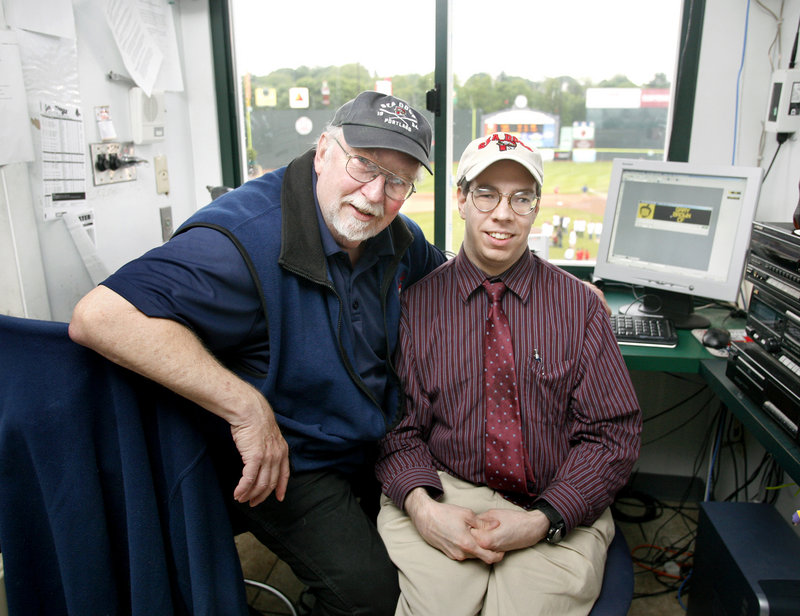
(139,49)
(53,17)
(63,159)
(16,145)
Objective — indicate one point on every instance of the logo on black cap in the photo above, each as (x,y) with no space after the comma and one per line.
(398,114)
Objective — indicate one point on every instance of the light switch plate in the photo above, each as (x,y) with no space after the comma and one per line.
(166,222)
(162,175)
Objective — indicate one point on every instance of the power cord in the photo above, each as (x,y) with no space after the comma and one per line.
(781,137)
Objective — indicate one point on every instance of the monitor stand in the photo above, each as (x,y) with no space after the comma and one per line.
(678,307)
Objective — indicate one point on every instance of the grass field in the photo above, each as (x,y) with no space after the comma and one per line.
(564,184)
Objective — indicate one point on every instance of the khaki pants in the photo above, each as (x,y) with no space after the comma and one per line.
(558,580)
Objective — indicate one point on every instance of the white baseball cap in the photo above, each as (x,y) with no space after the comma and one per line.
(487,150)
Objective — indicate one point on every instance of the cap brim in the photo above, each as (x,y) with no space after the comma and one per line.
(360,136)
(476,170)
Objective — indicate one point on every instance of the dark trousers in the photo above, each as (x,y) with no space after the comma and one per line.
(324,534)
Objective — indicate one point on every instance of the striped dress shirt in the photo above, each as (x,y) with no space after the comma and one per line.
(580,417)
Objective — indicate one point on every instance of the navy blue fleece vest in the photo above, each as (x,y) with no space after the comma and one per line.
(325,411)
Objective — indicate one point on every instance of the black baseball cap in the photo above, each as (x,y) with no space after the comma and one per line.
(375,120)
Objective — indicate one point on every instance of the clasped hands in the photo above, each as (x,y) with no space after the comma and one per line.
(462,534)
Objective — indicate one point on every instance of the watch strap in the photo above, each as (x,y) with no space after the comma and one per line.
(557,525)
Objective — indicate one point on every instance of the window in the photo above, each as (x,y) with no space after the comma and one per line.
(584,81)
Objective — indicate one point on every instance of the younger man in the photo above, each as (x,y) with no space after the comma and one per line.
(521,421)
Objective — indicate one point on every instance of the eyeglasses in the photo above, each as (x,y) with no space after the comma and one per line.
(486,198)
(364,170)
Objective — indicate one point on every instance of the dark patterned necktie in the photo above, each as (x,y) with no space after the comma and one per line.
(505,454)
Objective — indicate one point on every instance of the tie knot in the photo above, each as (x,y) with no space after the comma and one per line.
(495,290)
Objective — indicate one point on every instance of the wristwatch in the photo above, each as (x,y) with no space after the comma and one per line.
(558,529)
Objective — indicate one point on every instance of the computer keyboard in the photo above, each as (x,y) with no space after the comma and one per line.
(644,330)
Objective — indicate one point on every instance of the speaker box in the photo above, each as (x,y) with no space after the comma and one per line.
(148,116)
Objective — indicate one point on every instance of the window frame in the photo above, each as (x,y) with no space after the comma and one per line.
(440,100)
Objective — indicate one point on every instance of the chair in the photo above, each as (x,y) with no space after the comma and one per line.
(616,592)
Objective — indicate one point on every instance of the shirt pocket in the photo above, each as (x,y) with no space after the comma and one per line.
(547,385)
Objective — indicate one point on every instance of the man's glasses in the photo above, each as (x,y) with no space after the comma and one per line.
(486,198)
(364,170)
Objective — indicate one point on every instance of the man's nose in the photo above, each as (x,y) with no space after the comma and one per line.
(373,190)
(503,210)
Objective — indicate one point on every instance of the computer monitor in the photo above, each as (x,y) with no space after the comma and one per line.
(679,230)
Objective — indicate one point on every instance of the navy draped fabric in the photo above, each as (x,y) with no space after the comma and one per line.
(109,500)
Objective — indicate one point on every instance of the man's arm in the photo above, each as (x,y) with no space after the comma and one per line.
(170,354)
(604,429)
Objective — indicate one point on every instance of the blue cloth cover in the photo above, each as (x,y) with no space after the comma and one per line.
(109,501)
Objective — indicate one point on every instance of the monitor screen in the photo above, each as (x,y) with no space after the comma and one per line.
(679,230)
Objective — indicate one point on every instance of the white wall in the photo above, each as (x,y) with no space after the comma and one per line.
(48,277)
(715,104)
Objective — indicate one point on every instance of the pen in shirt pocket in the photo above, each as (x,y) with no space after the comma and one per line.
(538,359)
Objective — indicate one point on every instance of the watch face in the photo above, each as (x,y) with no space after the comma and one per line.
(555,534)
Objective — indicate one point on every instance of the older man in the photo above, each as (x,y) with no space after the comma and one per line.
(276,308)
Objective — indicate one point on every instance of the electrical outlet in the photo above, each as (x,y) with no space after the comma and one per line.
(166,222)
(162,175)
(107,164)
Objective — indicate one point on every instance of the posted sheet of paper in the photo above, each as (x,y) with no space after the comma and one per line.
(16,145)
(140,50)
(63,159)
(53,17)
(157,16)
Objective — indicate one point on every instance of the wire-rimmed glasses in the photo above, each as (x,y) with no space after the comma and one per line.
(364,170)
(486,198)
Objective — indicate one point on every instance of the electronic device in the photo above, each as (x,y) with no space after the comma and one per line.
(767,370)
(148,116)
(783,109)
(640,330)
(770,383)
(679,230)
(745,562)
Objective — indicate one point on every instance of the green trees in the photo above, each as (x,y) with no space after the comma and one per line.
(563,96)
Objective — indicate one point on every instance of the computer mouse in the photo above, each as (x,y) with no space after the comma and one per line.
(716,338)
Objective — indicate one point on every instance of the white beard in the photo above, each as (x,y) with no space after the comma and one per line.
(349,228)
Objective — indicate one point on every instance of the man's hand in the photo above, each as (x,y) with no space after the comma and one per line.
(169,353)
(599,294)
(265,455)
(503,530)
(449,527)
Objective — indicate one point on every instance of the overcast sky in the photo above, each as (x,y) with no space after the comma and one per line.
(527,38)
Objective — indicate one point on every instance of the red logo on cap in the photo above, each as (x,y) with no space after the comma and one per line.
(504,142)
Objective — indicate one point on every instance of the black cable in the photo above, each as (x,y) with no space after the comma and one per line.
(761,466)
(676,405)
(692,418)
(781,137)
(794,46)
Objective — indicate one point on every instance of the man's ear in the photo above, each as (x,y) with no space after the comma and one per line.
(461,199)
(322,148)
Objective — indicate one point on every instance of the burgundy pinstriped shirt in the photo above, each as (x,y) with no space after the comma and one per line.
(580,417)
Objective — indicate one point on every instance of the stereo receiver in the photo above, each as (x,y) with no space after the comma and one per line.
(768,369)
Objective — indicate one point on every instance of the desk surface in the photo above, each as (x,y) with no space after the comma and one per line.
(691,356)
(686,357)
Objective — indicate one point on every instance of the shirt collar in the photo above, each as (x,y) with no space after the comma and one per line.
(518,278)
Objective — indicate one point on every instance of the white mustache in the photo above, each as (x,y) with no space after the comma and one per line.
(361,203)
